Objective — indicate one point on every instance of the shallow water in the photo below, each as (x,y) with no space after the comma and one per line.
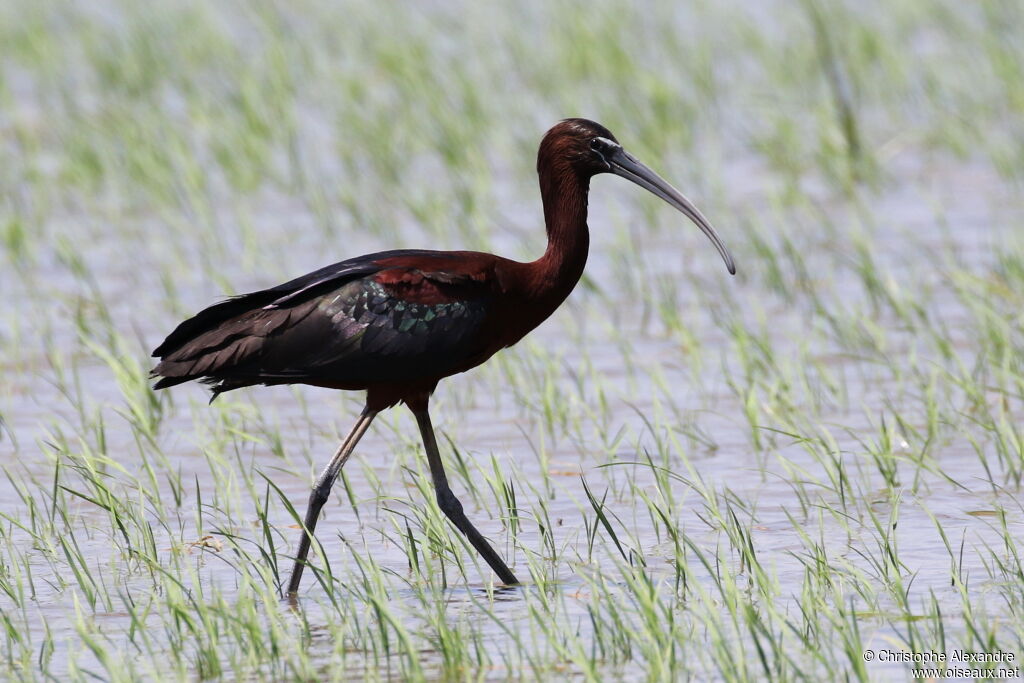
(490,421)
(612,388)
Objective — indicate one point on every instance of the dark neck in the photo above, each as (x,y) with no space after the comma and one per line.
(564,195)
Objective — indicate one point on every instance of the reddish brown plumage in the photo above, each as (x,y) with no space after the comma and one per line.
(410,318)
(248,345)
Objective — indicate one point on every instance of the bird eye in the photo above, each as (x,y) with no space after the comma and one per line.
(602,148)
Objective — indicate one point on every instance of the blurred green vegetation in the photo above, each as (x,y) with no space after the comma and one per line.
(704,476)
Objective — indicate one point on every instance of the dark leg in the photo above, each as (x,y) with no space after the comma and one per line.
(321,491)
(451,506)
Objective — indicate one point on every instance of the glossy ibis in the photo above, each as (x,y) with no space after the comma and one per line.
(395,323)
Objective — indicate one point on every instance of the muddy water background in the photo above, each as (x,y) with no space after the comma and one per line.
(154,162)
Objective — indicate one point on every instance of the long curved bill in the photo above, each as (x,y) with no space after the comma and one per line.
(625,165)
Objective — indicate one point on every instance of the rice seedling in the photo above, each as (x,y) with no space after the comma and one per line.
(759,478)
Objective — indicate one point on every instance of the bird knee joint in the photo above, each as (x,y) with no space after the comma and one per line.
(448,503)
(319,495)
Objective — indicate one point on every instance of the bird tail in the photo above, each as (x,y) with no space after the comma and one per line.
(208,346)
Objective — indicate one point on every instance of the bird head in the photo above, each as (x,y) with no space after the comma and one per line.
(587,148)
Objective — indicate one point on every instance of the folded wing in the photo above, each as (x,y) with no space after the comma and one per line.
(358,322)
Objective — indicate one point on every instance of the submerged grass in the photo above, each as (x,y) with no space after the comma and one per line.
(706,477)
